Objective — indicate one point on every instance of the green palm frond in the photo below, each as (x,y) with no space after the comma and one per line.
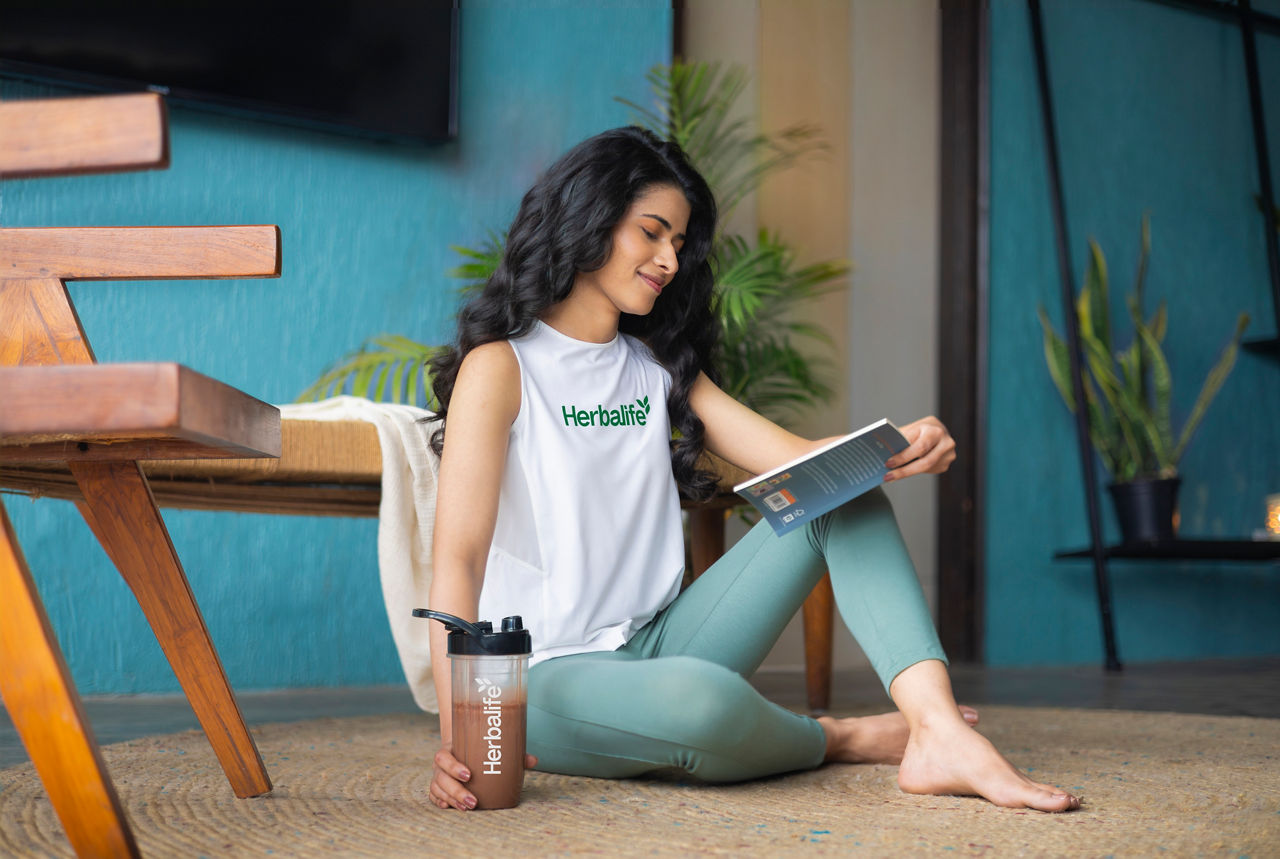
(694,107)
(483,261)
(387,368)
(758,287)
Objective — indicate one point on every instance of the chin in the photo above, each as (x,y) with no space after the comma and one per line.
(639,308)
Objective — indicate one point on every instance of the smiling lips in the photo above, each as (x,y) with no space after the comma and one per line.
(653,282)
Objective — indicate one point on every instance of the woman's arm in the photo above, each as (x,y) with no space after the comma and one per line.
(744,438)
(486,399)
(756,444)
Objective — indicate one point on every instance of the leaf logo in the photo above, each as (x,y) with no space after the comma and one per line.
(482,682)
(643,403)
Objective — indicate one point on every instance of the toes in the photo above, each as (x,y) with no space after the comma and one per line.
(1052,799)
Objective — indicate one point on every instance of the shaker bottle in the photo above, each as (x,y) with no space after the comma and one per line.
(490,697)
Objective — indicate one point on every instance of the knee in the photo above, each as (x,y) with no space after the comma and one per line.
(868,510)
(710,709)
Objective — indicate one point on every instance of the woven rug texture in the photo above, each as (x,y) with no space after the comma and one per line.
(1153,783)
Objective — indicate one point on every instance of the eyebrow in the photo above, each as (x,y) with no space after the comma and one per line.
(663,221)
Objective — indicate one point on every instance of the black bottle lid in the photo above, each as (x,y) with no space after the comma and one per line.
(479,639)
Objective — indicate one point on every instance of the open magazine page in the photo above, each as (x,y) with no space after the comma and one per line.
(792,494)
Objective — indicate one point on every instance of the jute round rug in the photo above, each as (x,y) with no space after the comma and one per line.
(1153,783)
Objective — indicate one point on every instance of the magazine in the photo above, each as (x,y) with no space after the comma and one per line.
(795,492)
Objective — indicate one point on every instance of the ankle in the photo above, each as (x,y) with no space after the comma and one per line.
(835,732)
(935,720)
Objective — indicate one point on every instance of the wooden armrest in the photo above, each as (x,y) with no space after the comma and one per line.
(139,253)
(96,134)
(93,412)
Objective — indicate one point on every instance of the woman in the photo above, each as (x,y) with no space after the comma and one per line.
(558,501)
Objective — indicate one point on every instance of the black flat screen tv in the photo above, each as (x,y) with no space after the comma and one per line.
(381,68)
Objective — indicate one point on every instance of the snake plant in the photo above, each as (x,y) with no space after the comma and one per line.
(1129,392)
(762,359)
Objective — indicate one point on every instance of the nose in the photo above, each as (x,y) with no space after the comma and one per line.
(666,258)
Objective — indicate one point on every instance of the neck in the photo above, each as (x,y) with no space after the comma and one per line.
(581,318)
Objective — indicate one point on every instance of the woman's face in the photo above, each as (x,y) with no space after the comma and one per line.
(642,260)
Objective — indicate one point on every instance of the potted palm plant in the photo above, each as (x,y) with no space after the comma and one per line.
(766,358)
(1128,394)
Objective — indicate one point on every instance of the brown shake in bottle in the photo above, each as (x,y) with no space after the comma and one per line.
(490,698)
(490,741)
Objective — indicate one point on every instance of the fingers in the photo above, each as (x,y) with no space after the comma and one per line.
(931,450)
(447,790)
(936,461)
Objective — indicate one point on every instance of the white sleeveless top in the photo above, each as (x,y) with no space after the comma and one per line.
(588,545)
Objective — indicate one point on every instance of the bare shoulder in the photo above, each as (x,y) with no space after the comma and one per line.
(491,359)
(490,378)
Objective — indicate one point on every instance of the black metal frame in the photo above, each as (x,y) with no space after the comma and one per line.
(1072,325)
(1249,21)
(962,312)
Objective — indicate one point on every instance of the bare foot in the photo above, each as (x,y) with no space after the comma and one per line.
(873,739)
(953,759)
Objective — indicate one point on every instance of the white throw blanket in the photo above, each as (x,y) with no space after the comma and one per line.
(406,518)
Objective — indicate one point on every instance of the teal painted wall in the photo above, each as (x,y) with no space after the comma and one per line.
(1152,113)
(295,601)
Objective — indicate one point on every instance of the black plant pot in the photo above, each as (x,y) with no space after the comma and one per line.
(1147,509)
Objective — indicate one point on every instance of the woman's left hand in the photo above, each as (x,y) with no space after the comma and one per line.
(930,450)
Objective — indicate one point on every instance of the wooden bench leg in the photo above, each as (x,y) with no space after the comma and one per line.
(47,714)
(818,616)
(122,513)
(706,537)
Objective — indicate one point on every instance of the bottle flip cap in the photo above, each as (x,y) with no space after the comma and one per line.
(479,639)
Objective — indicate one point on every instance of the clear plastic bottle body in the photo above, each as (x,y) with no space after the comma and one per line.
(490,699)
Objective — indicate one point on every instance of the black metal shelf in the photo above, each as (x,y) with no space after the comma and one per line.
(1185,550)
(1268,347)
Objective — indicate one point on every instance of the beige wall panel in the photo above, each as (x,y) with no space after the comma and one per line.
(804,77)
(893,321)
(728,32)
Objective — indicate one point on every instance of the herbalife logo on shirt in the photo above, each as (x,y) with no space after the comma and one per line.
(626,415)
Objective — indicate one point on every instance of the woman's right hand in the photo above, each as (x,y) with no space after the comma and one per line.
(447,788)
(447,783)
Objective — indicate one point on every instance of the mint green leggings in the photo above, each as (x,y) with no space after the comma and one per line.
(675,695)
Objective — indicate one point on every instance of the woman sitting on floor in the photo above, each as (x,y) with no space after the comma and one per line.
(603,301)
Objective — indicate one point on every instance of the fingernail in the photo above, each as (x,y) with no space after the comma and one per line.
(464,775)
(469,802)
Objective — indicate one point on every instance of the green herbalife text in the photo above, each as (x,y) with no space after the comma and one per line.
(625,415)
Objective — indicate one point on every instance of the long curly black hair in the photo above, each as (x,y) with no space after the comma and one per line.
(564,226)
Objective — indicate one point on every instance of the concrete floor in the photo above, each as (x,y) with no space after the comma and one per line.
(1242,687)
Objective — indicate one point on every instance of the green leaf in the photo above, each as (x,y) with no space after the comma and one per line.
(484,261)
(375,370)
(1096,298)
(1128,420)
(1212,384)
(1162,390)
(1058,360)
(694,106)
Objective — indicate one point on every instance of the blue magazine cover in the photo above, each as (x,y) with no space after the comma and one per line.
(793,493)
